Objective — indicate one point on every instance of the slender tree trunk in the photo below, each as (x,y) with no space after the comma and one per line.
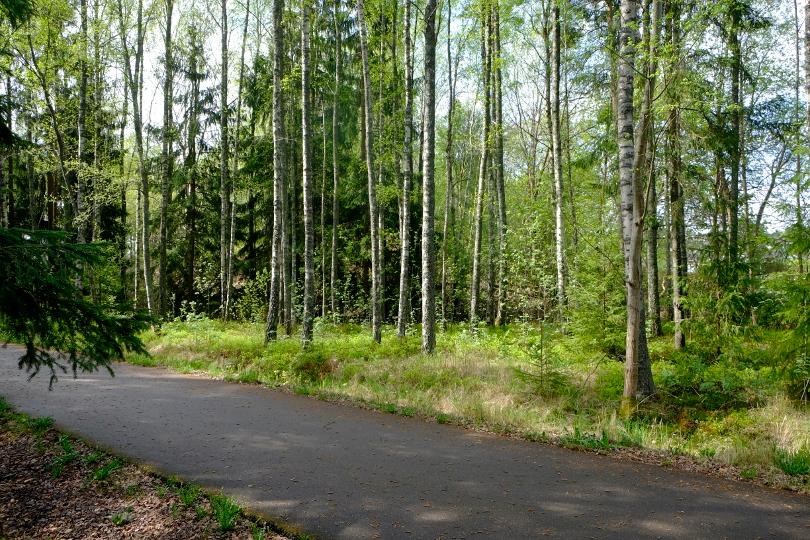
(734,143)
(306,160)
(556,146)
(224,179)
(500,189)
(335,170)
(82,127)
(407,176)
(653,292)
(449,163)
(376,285)
(428,198)
(483,173)
(797,111)
(167,159)
(122,241)
(134,79)
(271,332)
(323,210)
(235,167)
(677,247)
(191,168)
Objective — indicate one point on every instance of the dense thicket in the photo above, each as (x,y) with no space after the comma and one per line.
(622,169)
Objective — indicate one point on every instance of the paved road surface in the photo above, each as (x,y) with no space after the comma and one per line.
(341,472)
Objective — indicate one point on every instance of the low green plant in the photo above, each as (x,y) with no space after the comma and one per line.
(69,454)
(103,472)
(579,439)
(442,418)
(750,473)
(40,425)
(188,494)
(225,511)
(122,518)
(93,458)
(793,463)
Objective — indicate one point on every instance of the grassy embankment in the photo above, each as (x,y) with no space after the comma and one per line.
(733,411)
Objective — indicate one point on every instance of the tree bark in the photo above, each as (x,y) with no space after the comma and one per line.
(335,170)
(306,160)
(271,331)
(224,178)
(82,126)
(677,247)
(631,202)
(556,153)
(167,159)
(407,177)
(449,163)
(500,190)
(376,285)
(483,173)
(134,79)
(428,198)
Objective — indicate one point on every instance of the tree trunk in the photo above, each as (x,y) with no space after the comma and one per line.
(428,199)
(500,189)
(235,168)
(631,203)
(82,126)
(335,173)
(224,179)
(306,160)
(271,331)
(677,247)
(556,153)
(734,143)
(376,285)
(483,173)
(448,191)
(407,176)
(167,159)
(134,78)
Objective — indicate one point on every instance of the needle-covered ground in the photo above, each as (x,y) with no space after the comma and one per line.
(55,486)
(732,412)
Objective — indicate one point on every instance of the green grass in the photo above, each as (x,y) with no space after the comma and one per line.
(225,511)
(730,409)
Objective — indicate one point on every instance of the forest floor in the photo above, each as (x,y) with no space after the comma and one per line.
(56,486)
(339,471)
(731,416)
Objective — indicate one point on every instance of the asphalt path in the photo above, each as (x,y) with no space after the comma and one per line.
(336,471)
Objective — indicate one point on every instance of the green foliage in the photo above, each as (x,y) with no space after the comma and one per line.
(121,518)
(540,373)
(68,455)
(188,494)
(225,511)
(793,463)
(103,472)
(43,306)
(578,439)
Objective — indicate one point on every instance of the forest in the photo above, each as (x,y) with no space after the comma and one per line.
(565,220)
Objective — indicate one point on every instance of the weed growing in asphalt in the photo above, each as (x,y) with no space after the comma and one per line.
(225,511)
